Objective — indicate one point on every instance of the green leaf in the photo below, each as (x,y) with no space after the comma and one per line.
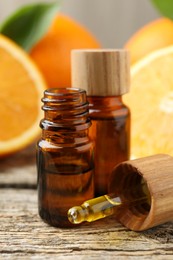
(29,24)
(165,7)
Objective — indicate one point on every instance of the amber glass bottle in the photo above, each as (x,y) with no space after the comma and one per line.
(64,155)
(104,74)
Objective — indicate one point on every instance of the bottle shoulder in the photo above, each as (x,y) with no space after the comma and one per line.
(107,107)
(123,112)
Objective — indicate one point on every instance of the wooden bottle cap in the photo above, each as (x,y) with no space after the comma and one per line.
(101,72)
(157,172)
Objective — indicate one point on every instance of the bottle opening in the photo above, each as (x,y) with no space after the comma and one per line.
(67,96)
(63,91)
(128,183)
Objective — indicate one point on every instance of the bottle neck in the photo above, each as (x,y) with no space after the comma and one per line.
(111,102)
(107,106)
(65,112)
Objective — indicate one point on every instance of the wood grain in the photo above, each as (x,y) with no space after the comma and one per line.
(101,72)
(19,170)
(157,172)
(23,235)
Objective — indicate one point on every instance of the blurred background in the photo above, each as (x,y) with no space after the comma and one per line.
(111,21)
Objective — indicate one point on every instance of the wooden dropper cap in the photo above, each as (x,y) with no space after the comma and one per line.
(101,72)
(157,172)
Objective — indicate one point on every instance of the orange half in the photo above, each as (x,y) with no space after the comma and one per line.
(151,103)
(21,89)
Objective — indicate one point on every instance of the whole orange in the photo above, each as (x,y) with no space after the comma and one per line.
(52,52)
(154,35)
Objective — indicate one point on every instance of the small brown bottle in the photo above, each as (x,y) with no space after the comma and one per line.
(64,155)
(104,74)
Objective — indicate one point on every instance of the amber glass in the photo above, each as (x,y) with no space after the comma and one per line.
(64,155)
(110,132)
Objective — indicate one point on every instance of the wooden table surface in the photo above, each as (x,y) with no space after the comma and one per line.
(23,235)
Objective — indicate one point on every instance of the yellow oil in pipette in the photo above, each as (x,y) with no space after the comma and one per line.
(108,205)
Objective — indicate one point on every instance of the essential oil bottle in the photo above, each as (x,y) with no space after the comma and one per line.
(64,155)
(105,75)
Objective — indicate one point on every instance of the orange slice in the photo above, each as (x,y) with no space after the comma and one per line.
(21,88)
(151,104)
(154,35)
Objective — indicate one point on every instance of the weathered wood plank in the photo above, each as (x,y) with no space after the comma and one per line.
(23,235)
(19,169)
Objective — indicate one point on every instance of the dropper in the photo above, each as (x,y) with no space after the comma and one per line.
(140,198)
(107,205)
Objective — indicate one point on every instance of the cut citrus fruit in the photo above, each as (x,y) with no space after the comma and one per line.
(21,88)
(151,104)
(155,35)
(63,35)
